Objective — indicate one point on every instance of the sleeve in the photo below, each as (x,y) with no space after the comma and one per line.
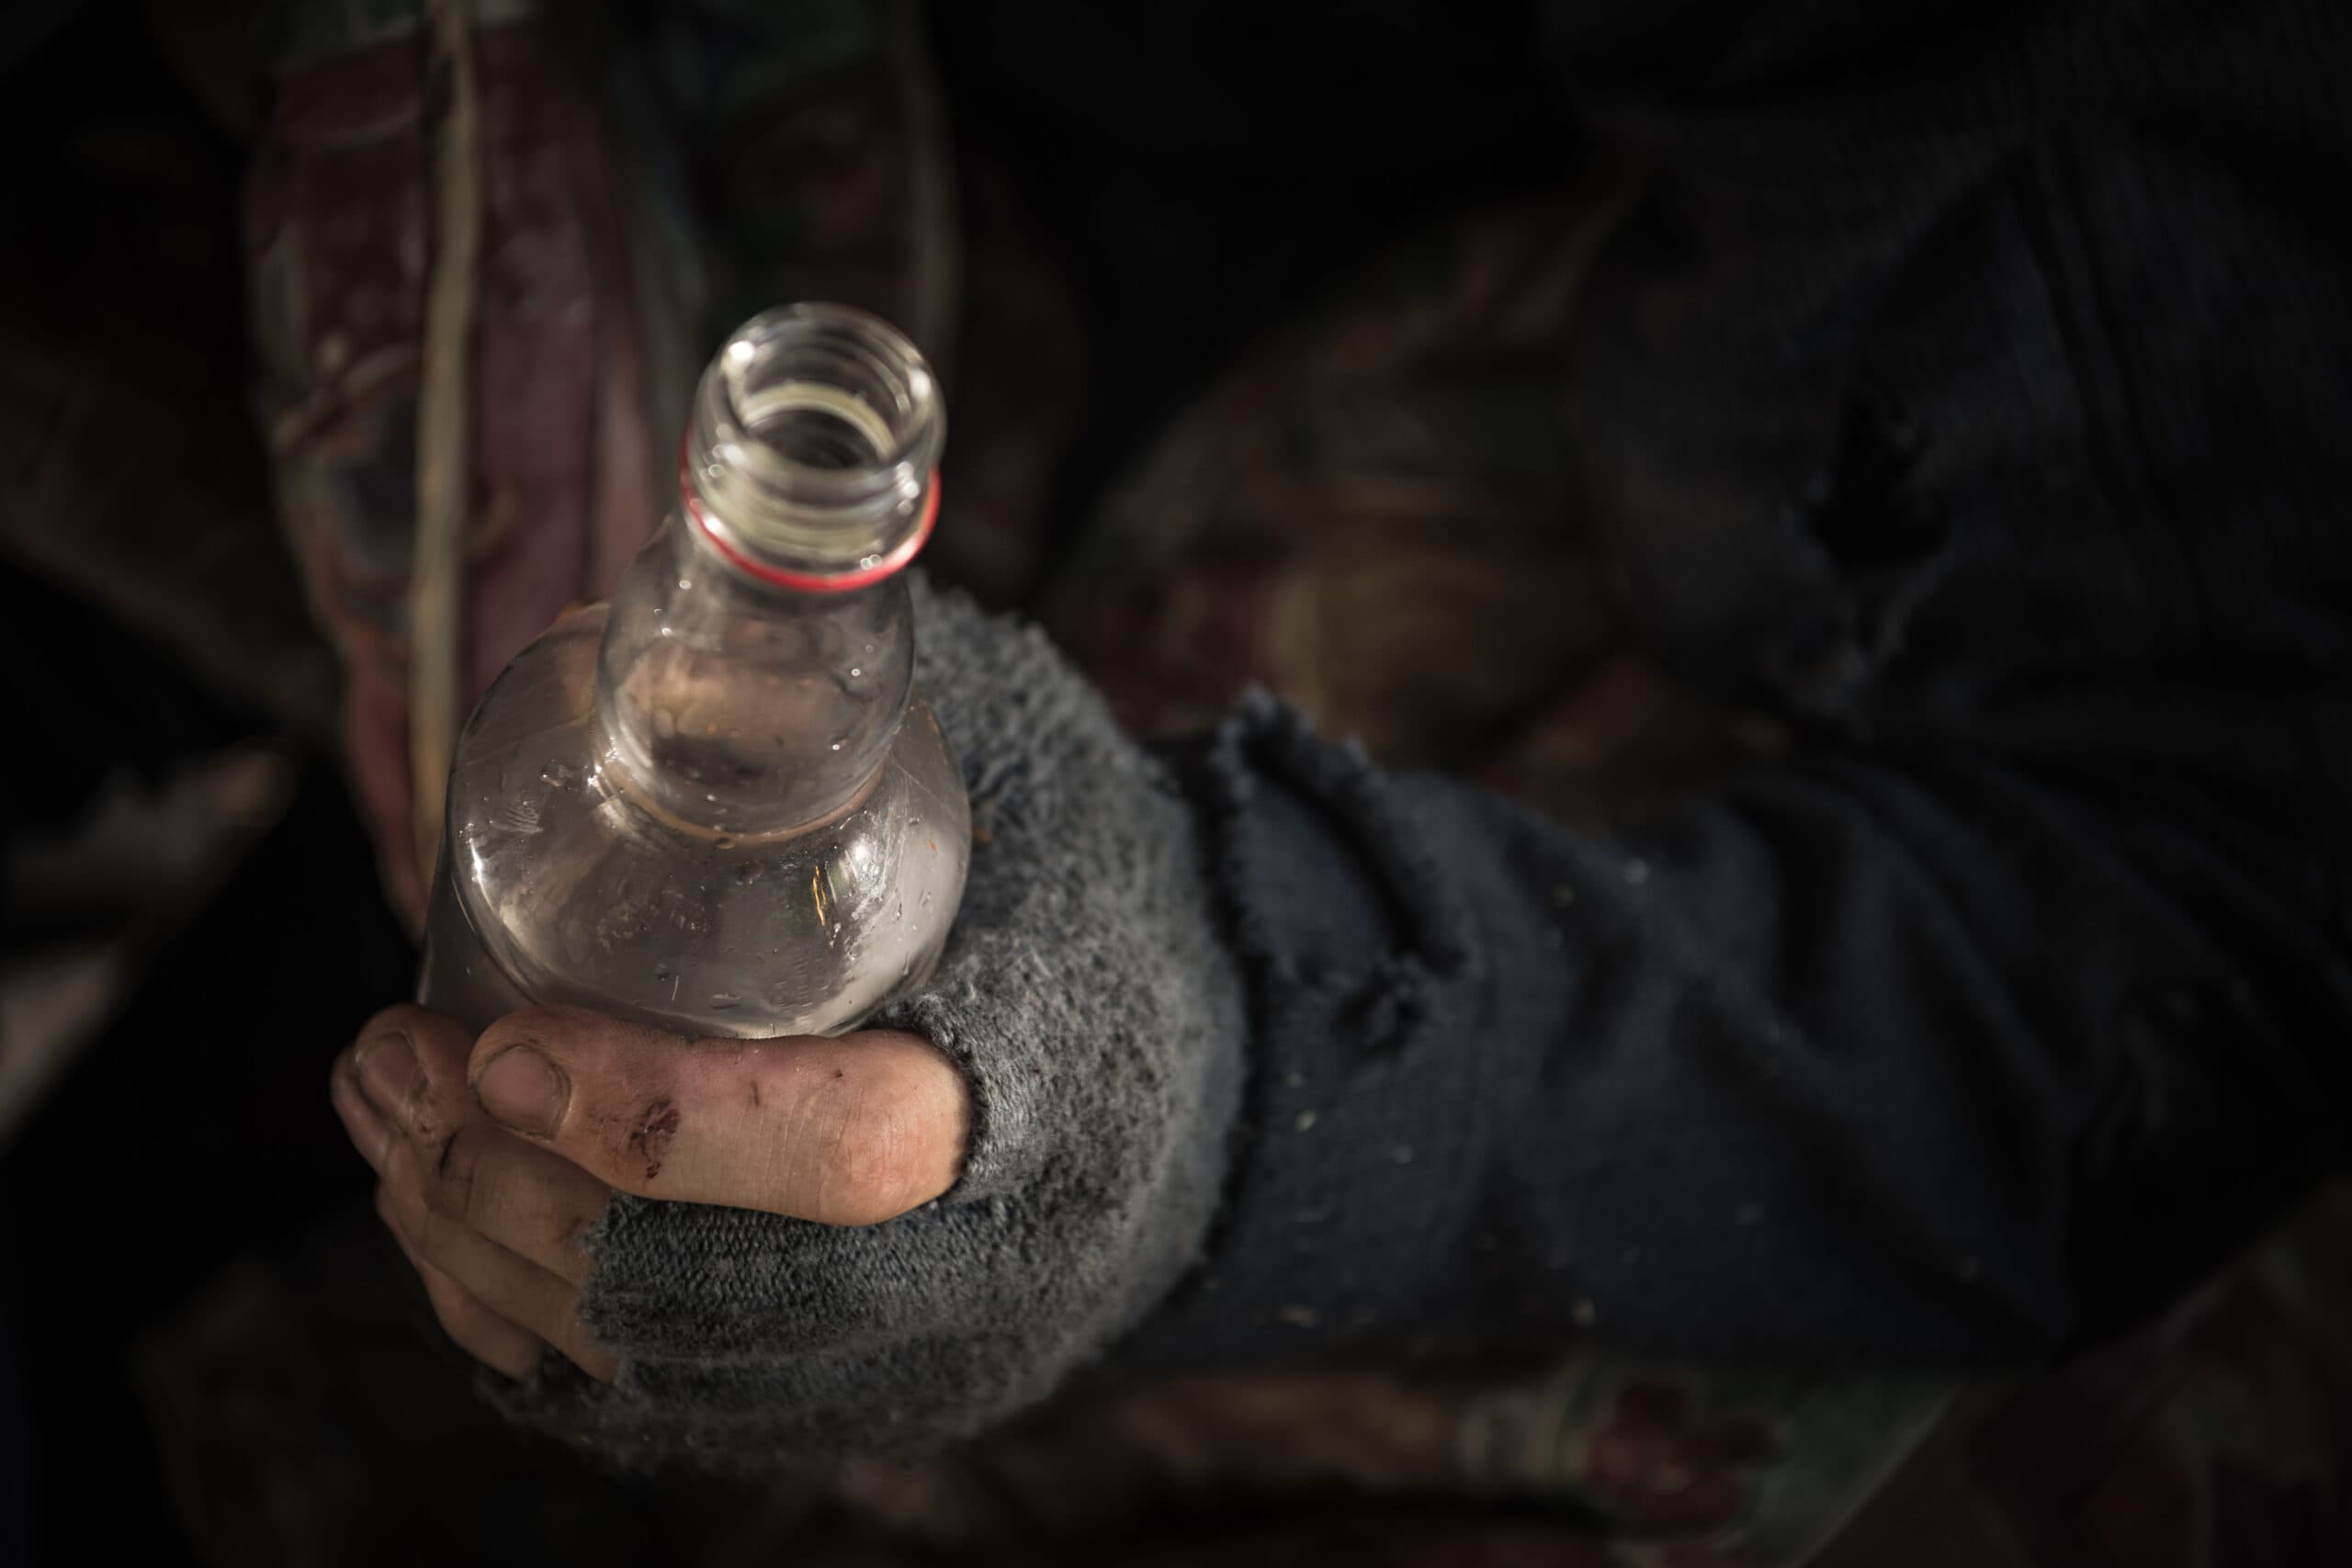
(1907,1055)
(1966,397)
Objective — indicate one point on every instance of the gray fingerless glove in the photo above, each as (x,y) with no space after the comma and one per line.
(1087,998)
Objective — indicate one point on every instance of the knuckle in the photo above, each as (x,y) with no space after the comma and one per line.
(640,1141)
(416,1117)
(432,1231)
(454,1188)
(487,1185)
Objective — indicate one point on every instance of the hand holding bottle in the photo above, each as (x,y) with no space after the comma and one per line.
(718,822)
(871,1241)
(497,1156)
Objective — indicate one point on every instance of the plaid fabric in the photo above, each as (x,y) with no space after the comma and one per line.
(336,208)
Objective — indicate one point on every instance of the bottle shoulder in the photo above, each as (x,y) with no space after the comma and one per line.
(584,892)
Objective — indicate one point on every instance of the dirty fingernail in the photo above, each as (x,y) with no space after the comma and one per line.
(387,1071)
(524,1091)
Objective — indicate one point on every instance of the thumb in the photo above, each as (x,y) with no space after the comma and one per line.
(850,1131)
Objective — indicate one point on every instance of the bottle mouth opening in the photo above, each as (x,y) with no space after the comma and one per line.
(811,455)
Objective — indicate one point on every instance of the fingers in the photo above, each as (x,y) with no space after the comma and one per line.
(409,1065)
(493,1223)
(844,1132)
(481,1333)
(404,1081)
(535,1205)
(852,1130)
(515,1288)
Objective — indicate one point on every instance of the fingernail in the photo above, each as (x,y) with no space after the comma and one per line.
(386,1072)
(523,1091)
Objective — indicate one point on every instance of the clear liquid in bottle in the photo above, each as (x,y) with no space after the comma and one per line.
(717,805)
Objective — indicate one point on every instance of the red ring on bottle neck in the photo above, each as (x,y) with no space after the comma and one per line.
(809,583)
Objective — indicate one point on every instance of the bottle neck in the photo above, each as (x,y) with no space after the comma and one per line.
(740,707)
(759,653)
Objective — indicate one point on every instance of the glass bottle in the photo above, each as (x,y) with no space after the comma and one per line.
(717,805)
